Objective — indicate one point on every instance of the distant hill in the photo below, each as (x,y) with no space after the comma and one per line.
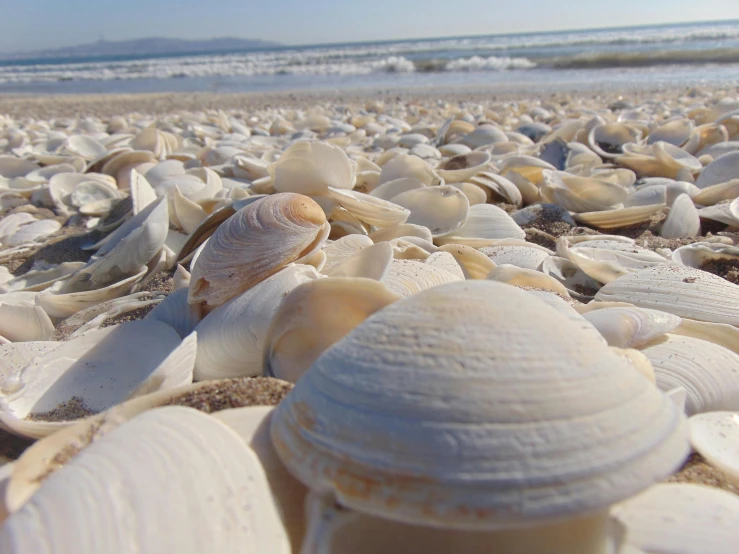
(143,47)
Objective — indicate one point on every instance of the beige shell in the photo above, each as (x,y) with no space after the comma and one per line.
(255,243)
(312,167)
(619,217)
(398,420)
(715,436)
(441,209)
(407,277)
(683,219)
(460,168)
(485,225)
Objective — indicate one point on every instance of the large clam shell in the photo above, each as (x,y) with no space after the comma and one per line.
(715,435)
(450,439)
(255,243)
(485,225)
(442,209)
(312,167)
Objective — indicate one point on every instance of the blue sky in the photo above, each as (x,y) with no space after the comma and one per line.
(38,24)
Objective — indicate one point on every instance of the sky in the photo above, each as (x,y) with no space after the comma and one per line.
(42,24)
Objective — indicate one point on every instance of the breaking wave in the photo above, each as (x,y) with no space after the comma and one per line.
(647,59)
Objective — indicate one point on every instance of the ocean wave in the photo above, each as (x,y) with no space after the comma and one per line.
(605,60)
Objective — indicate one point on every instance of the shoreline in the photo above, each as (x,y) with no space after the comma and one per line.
(22,105)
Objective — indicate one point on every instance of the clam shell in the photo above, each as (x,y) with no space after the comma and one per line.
(578,283)
(485,224)
(402,230)
(311,168)
(369,209)
(715,435)
(581,194)
(518,253)
(21,320)
(607,140)
(724,212)
(408,277)
(314,316)
(720,170)
(694,255)
(343,248)
(683,219)
(32,232)
(441,209)
(447,262)
(372,262)
(100,368)
(231,338)
(672,518)
(708,372)
(463,166)
(384,395)
(631,327)
(254,244)
(527,278)
(679,290)
(405,165)
(497,188)
(389,190)
(177,312)
(676,132)
(620,217)
(708,196)
(475,264)
(138,458)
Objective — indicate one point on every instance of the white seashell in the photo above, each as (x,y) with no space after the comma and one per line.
(474,193)
(715,435)
(10,223)
(231,337)
(498,188)
(485,224)
(372,262)
(608,140)
(679,290)
(137,458)
(370,209)
(672,518)
(21,320)
(646,196)
(11,167)
(528,278)
(405,165)
(311,168)
(176,312)
(717,333)
(101,369)
(32,232)
(184,213)
(631,327)
(725,212)
(447,262)
(386,393)
(519,253)
(254,244)
(402,230)
(683,219)
(442,209)
(694,255)
(407,277)
(462,167)
(581,194)
(406,249)
(620,217)
(722,169)
(714,194)
(387,191)
(338,250)
(474,263)
(483,135)
(676,132)
(708,372)
(314,316)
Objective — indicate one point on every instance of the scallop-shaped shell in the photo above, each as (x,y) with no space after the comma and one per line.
(631,327)
(93,372)
(484,226)
(314,316)
(138,458)
(407,277)
(715,435)
(709,372)
(231,337)
(312,167)
(683,291)
(672,518)
(722,169)
(443,435)
(255,243)
(441,209)
(460,168)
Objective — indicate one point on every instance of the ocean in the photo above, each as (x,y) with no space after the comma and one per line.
(653,56)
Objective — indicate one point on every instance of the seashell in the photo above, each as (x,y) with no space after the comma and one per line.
(391,189)
(452,150)
(407,249)
(580,194)
(519,253)
(32,232)
(370,209)
(682,221)
(608,140)
(314,316)
(715,436)
(660,159)
(498,188)
(717,333)
(708,372)
(251,168)
(697,254)
(12,222)
(176,312)
(372,262)
(157,441)
(184,213)
(462,167)
(527,278)
(311,168)
(392,438)
(620,217)
(484,135)
(163,171)
(401,230)
(441,209)
(543,214)
(676,132)
(366,181)
(683,291)
(231,338)
(93,372)
(645,196)
(11,167)
(121,160)
(720,170)
(343,248)
(21,320)
(674,518)
(485,224)
(405,165)
(474,263)
(578,283)
(631,327)
(254,244)
(708,196)
(407,277)
(724,212)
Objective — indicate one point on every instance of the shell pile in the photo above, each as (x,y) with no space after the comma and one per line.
(496,328)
